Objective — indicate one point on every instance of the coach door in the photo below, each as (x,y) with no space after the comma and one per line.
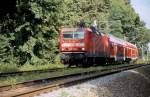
(120,52)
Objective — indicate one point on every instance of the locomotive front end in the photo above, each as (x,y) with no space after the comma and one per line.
(72,45)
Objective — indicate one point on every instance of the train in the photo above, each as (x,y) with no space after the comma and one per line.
(86,46)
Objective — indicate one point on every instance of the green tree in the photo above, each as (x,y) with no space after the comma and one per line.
(29,32)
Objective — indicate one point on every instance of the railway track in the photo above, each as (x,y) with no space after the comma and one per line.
(35,87)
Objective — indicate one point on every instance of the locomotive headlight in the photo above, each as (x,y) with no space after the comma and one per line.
(63,49)
(83,48)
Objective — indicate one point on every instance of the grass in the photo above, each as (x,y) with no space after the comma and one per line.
(4,68)
(17,79)
(40,67)
(14,68)
(8,68)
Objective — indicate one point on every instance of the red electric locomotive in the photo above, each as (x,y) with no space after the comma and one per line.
(84,46)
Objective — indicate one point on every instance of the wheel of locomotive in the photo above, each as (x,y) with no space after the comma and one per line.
(67,63)
(63,61)
(87,62)
(90,61)
(111,61)
(100,61)
(79,63)
(70,64)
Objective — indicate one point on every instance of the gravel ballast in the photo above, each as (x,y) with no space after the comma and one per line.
(131,83)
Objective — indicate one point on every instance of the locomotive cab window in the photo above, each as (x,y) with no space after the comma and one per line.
(67,35)
(73,35)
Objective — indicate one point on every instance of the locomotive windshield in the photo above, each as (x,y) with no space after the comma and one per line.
(73,35)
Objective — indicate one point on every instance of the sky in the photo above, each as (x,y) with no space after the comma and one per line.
(142,7)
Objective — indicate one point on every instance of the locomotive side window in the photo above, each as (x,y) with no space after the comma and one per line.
(67,35)
(73,35)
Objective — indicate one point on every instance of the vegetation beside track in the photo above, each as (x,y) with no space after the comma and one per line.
(14,68)
(17,79)
(28,67)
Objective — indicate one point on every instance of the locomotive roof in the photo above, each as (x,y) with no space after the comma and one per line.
(116,40)
(73,29)
(120,41)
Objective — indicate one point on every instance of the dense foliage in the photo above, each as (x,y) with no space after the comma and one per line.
(29,32)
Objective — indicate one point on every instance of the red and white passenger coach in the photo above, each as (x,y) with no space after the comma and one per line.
(85,46)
